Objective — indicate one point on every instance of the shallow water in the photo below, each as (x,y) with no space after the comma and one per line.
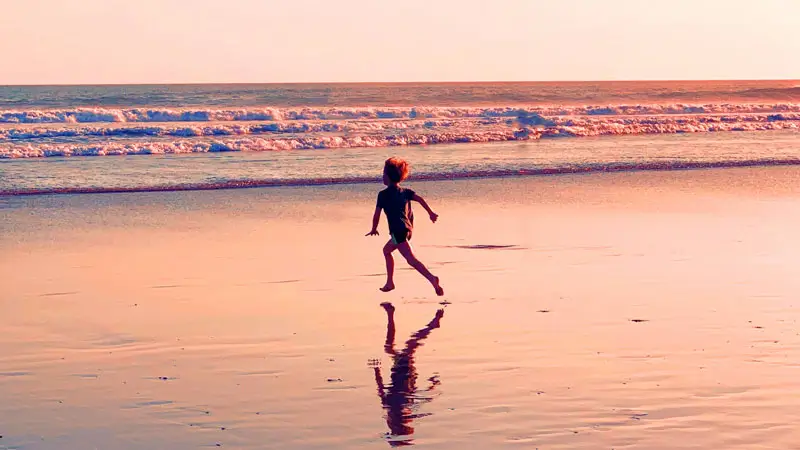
(219,170)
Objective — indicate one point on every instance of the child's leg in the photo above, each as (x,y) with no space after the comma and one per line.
(414,341)
(389,345)
(387,253)
(408,254)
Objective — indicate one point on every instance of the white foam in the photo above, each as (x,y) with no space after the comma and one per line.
(573,127)
(590,125)
(110,115)
(145,131)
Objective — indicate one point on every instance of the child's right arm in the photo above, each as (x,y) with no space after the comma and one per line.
(376,218)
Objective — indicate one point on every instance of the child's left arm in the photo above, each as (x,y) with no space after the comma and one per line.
(422,202)
(376,218)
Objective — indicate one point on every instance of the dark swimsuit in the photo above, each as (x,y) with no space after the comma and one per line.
(395,202)
(400,236)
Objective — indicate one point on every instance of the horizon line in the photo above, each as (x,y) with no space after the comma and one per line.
(276,83)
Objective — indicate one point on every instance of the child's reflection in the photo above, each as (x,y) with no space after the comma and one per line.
(401,398)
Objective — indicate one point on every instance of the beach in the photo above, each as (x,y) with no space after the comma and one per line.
(198,204)
(642,309)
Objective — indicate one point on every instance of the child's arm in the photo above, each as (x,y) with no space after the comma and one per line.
(376,218)
(422,202)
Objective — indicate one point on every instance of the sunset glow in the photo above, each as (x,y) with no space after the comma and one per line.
(169,41)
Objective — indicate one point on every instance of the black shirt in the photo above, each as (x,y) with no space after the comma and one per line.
(395,202)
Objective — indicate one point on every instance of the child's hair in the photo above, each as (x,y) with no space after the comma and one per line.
(396,169)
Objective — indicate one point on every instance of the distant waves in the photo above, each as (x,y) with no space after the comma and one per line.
(100,132)
(111,115)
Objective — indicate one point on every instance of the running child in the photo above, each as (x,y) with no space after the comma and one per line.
(395,202)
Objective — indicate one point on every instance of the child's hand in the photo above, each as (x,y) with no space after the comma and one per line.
(434,216)
(372,233)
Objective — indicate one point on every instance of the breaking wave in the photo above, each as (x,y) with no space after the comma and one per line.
(575,125)
(79,132)
(24,143)
(135,115)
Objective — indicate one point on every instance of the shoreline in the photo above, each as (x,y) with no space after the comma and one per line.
(482,175)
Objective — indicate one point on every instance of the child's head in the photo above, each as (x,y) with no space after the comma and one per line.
(394,171)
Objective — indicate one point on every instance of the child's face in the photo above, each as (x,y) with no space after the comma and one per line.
(386,180)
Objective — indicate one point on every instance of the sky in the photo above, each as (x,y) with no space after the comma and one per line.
(229,41)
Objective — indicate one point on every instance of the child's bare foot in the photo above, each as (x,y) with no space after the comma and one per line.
(388,307)
(439,290)
(388,287)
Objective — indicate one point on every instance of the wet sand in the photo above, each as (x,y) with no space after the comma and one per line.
(629,310)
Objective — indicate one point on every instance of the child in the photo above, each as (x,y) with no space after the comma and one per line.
(395,201)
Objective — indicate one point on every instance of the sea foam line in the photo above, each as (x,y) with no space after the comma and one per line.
(366,127)
(100,115)
(569,128)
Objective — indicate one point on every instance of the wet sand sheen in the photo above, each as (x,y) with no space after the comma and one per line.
(634,310)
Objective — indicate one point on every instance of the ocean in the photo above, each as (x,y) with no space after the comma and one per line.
(72,139)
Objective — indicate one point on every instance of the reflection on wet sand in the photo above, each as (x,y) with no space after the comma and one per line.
(401,398)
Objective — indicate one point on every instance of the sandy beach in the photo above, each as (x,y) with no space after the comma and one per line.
(648,310)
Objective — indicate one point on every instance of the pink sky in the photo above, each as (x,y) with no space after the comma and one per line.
(172,41)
